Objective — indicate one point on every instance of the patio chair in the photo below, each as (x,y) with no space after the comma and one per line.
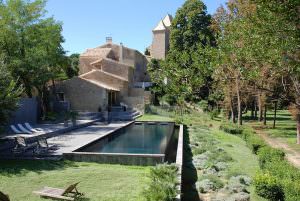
(4,197)
(70,193)
(14,129)
(22,146)
(24,130)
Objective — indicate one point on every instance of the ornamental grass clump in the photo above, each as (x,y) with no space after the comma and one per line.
(163,183)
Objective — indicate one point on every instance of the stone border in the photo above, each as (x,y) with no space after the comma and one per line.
(179,160)
(116,158)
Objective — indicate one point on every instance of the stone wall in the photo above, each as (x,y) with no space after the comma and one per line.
(27,112)
(158,49)
(117,68)
(83,95)
(107,79)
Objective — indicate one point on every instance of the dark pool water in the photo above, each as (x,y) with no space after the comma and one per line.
(137,138)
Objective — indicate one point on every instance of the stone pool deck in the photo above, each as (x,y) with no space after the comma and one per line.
(73,140)
(62,139)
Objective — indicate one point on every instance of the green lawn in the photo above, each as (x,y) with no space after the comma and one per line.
(154,117)
(285,127)
(97,181)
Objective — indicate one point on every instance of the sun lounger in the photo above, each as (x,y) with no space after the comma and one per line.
(14,129)
(4,197)
(37,130)
(69,193)
(22,146)
(24,130)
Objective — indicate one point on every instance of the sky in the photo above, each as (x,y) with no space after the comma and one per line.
(86,23)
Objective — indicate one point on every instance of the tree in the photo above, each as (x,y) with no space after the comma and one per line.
(10,94)
(72,67)
(31,45)
(30,42)
(188,63)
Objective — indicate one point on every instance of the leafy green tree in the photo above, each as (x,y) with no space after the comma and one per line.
(188,63)
(10,94)
(72,67)
(30,43)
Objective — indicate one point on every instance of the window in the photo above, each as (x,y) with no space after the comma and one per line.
(60,96)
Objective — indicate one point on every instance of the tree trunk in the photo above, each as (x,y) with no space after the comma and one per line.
(238,93)
(260,110)
(298,127)
(275,113)
(255,110)
(265,114)
(252,109)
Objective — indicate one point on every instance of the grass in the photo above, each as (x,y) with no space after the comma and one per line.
(97,181)
(154,117)
(244,162)
(285,127)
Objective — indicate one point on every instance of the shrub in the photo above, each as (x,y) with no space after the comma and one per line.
(231,128)
(255,143)
(203,104)
(268,187)
(282,169)
(163,183)
(269,154)
(215,181)
(291,190)
(213,114)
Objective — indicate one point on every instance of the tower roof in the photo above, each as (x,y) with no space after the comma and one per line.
(160,26)
(168,20)
(164,23)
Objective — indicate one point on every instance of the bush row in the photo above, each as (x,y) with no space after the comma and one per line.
(278,180)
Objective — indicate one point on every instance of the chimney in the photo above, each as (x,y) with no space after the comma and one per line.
(108,39)
(121,53)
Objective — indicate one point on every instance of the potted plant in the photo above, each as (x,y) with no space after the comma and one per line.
(73,115)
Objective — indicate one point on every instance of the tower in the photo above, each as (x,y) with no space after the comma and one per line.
(161,38)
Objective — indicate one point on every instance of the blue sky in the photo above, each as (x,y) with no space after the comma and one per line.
(86,23)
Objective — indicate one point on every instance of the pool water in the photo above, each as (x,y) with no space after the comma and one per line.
(137,138)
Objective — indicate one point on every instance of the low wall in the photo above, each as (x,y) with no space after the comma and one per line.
(111,158)
(27,112)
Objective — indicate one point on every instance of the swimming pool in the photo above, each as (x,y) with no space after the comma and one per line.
(139,143)
(137,138)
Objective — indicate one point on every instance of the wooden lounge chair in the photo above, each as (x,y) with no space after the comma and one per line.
(4,197)
(42,146)
(21,145)
(69,193)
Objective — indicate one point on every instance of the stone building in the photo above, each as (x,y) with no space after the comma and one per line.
(161,37)
(108,77)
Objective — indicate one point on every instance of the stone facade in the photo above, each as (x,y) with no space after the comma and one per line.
(104,70)
(161,38)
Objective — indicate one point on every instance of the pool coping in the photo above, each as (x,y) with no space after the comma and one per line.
(179,160)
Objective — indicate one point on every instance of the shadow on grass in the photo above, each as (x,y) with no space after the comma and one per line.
(189,172)
(22,167)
